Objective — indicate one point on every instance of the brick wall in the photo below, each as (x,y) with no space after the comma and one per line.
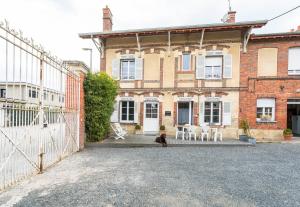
(82,113)
(281,87)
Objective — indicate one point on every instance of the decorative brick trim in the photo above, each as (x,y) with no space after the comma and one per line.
(160,113)
(196,113)
(176,69)
(175,114)
(141,113)
(156,50)
(124,51)
(185,72)
(161,72)
(151,81)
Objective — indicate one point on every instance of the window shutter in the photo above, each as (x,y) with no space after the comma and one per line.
(116,69)
(227,66)
(226,113)
(136,113)
(201,114)
(139,64)
(200,67)
(115,115)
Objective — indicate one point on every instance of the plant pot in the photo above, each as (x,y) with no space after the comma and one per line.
(162,131)
(243,138)
(288,137)
(252,140)
(138,132)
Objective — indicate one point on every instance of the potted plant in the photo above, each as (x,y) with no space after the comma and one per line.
(138,129)
(287,134)
(162,129)
(246,136)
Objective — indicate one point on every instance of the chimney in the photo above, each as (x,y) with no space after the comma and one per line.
(231,17)
(107,20)
(292,30)
(298,28)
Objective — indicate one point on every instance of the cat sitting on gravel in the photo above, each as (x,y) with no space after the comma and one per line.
(162,140)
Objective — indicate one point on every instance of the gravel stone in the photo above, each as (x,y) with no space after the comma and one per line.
(265,175)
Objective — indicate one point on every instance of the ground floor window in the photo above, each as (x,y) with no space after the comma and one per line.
(127,111)
(265,110)
(212,112)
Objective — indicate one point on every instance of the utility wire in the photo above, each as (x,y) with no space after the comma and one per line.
(284,13)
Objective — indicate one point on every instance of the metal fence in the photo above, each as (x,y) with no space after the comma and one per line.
(39,108)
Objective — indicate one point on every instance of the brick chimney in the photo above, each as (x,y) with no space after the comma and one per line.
(107,20)
(231,17)
(298,28)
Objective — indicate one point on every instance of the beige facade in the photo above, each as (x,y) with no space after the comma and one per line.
(164,80)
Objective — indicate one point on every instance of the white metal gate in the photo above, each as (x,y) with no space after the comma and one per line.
(39,108)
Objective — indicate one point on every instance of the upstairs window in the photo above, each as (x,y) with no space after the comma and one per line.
(2,93)
(213,67)
(32,93)
(186,62)
(265,110)
(128,69)
(294,61)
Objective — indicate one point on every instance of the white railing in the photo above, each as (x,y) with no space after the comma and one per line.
(39,108)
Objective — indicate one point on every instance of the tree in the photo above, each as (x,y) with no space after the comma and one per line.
(100,93)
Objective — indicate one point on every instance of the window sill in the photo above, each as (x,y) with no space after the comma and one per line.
(212,79)
(126,122)
(266,122)
(185,72)
(124,81)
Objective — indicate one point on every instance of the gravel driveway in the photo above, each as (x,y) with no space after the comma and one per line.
(265,175)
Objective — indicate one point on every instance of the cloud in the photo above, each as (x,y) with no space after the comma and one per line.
(56,23)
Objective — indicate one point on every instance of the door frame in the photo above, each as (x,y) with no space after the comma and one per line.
(190,111)
(144,117)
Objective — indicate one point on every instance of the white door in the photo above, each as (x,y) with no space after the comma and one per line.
(151,118)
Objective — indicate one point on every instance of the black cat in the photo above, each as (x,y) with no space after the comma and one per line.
(162,140)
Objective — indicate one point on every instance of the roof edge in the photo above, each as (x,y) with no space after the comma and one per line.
(275,35)
(255,24)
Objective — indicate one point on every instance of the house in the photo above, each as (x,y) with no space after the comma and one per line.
(175,75)
(270,84)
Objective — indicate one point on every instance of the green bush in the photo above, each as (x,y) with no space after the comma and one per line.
(162,128)
(287,132)
(137,127)
(100,93)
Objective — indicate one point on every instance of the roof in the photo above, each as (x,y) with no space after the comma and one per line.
(77,63)
(176,29)
(275,35)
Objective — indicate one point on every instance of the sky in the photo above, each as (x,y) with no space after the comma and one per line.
(55,24)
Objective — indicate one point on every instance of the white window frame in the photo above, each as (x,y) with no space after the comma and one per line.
(291,60)
(128,69)
(265,104)
(213,67)
(127,112)
(190,62)
(211,112)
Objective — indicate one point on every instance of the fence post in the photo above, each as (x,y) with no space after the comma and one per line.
(41,109)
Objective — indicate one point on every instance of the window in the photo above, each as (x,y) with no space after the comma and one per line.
(61,99)
(294,61)
(265,110)
(33,93)
(212,112)
(128,69)
(127,111)
(213,67)
(2,93)
(151,110)
(186,61)
(185,113)
(45,95)
(52,97)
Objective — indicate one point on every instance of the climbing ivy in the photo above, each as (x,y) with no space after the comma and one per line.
(100,93)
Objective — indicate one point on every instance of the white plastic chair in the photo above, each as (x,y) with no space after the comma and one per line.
(204,132)
(192,132)
(217,133)
(179,132)
(120,133)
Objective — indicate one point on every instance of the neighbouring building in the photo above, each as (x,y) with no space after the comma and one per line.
(175,75)
(217,74)
(270,84)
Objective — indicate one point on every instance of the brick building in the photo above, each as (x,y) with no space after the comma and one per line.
(214,74)
(270,84)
